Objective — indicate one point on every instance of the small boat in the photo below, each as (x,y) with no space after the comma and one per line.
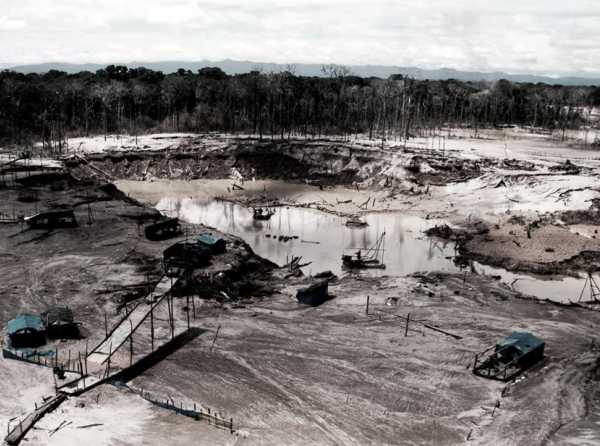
(371,259)
(355,222)
(262,214)
(356,262)
(314,294)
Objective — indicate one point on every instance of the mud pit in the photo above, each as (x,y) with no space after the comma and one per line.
(288,374)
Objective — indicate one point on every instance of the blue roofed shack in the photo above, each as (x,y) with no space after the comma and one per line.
(26,330)
(216,245)
(522,347)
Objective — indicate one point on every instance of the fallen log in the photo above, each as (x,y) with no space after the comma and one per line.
(15,436)
(442,331)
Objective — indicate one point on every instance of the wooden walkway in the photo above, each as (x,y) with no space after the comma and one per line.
(121,332)
(98,373)
(20,430)
(95,372)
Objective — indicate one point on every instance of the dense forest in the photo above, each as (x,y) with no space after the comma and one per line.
(49,107)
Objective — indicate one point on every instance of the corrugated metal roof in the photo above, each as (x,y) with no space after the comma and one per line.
(24,321)
(522,340)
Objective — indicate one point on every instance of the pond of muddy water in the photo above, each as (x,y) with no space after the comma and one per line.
(322,238)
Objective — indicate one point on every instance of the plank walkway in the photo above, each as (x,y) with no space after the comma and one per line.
(100,354)
(24,425)
(128,325)
(96,372)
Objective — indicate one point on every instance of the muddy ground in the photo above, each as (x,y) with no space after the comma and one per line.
(546,186)
(289,374)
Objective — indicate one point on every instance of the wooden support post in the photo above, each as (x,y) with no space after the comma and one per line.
(130,343)
(152,326)
(187,310)
(407,322)
(215,338)
(80,364)
(108,361)
(171,318)
(367,307)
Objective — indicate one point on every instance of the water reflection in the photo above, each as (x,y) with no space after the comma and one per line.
(565,289)
(322,238)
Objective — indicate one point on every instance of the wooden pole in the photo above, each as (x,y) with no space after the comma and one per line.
(152,326)
(367,307)
(407,322)
(171,318)
(187,310)
(215,338)
(130,343)
(80,364)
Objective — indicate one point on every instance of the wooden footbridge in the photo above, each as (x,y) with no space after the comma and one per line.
(127,326)
(95,368)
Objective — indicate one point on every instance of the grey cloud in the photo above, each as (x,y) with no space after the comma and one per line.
(545,35)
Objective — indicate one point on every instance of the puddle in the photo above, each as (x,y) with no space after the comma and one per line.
(565,289)
(406,249)
(323,238)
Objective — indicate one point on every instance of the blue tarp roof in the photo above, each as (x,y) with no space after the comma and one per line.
(522,340)
(208,239)
(24,321)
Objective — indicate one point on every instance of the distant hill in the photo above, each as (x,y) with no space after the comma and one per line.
(382,71)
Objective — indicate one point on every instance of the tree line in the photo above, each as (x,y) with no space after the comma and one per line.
(49,107)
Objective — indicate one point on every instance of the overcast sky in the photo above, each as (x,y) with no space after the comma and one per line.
(543,36)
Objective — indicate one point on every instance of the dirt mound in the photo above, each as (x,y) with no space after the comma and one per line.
(458,234)
(567,167)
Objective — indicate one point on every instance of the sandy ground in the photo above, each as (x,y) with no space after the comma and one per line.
(333,375)
(109,416)
(288,374)
(547,244)
(91,269)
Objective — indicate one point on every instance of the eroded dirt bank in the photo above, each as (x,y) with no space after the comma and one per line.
(295,375)
(539,213)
